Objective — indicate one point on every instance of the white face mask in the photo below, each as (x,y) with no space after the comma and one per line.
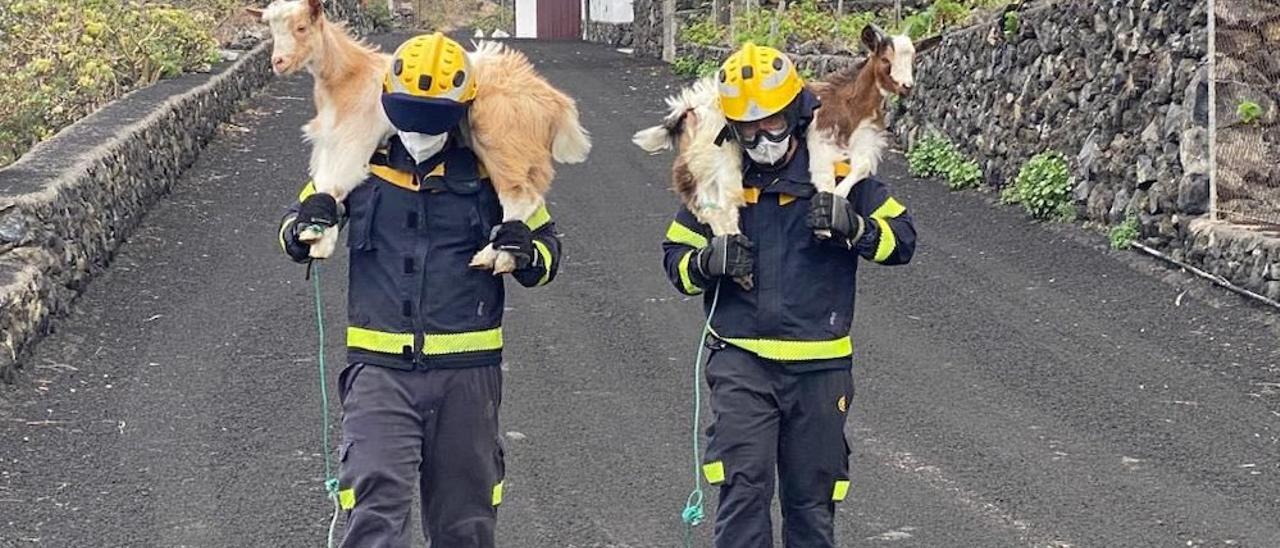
(421,145)
(768,152)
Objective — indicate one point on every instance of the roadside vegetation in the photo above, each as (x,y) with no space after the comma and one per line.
(809,22)
(62,59)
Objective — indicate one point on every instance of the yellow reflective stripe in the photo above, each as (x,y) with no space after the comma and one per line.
(889,209)
(432,344)
(888,242)
(795,350)
(751,194)
(378,341)
(714,472)
(398,178)
(347,498)
(497,494)
(840,491)
(307,190)
(539,218)
(685,279)
(784,199)
(284,225)
(470,341)
(681,234)
(546,261)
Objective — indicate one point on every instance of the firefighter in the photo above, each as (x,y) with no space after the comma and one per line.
(422,388)
(780,369)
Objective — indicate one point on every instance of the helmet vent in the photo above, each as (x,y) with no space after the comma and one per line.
(424,82)
(747,73)
(458,78)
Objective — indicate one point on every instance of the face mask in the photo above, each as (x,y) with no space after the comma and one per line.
(421,145)
(768,152)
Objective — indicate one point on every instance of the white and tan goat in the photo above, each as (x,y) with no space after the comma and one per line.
(518,122)
(850,125)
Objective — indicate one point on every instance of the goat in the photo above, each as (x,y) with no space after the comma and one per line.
(350,124)
(850,125)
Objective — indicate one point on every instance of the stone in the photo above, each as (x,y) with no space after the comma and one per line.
(1119,207)
(1144,171)
(1193,194)
(1194,151)
(14,228)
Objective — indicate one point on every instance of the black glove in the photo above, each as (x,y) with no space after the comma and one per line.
(726,255)
(318,210)
(515,238)
(834,214)
(294,248)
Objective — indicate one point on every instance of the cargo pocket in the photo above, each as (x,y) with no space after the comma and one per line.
(500,467)
(361,207)
(346,491)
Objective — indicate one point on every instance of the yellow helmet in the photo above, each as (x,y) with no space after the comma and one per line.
(757,82)
(429,85)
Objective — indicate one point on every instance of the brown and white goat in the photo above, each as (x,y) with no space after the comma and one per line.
(518,122)
(850,125)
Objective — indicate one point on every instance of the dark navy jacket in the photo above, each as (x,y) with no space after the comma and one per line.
(413,301)
(801,309)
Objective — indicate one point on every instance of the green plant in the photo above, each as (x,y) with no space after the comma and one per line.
(1011,22)
(1248,111)
(849,28)
(694,67)
(702,31)
(1044,185)
(935,156)
(948,13)
(62,59)
(380,16)
(1124,234)
(807,73)
(497,17)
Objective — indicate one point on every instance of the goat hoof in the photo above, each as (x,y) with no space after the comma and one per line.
(484,259)
(822,234)
(504,263)
(746,282)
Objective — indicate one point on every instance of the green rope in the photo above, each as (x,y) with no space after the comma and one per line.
(330,481)
(694,513)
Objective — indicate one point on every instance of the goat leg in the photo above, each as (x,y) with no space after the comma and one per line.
(823,156)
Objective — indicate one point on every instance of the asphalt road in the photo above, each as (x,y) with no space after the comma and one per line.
(1018,384)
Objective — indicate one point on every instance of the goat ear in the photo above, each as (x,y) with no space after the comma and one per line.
(255,12)
(874,38)
(928,43)
(316,8)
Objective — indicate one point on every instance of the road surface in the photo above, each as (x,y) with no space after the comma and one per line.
(1017,385)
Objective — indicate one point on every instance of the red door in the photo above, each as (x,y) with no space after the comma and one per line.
(559,19)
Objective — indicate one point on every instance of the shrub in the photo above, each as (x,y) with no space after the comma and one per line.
(1248,111)
(1043,186)
(61,59)
(380,17)
(693,67)
(497,17)
(935,156)
(1124,234)
(702,31)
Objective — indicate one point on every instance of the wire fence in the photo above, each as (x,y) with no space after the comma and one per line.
(1247,111)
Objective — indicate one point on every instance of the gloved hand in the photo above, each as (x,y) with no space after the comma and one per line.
(515,238)
(832,217)
(295,249)
(318,210)
(726,255)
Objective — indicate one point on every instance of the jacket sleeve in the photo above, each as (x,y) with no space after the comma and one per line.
(685,236)
(546,256)
(891,235)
